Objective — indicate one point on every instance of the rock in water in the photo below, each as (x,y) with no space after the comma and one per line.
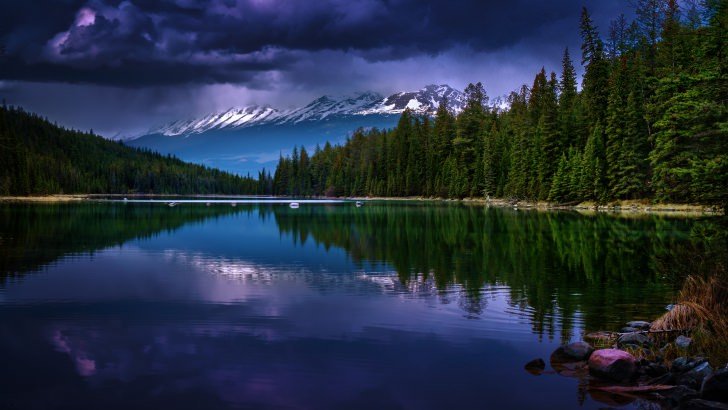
(640,324)
(683,341)
(535,366)
(715,386)
(566,365)
(578,350)
(629,329)
(636,339)
(612,364)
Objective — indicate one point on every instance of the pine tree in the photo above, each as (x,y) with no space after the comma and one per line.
(550,140)
(633,172)
(559,190)
(669,52)
(468,144)
(618,38)
(443,133)
(304,173)
(520,134)
(569,128)
(575,174)
(492,159)
(616,128)
(649,20)
(596,76)
(593,168)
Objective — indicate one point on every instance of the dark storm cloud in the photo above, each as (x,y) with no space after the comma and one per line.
(143,42)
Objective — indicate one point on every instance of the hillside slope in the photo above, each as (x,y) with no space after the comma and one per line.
(39,157)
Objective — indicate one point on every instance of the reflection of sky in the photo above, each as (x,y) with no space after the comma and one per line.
(250,238)
(228,312)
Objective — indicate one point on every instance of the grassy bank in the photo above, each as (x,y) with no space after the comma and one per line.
(44,198)
(700,311)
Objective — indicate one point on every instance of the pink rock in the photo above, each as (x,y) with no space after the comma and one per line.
(612,364)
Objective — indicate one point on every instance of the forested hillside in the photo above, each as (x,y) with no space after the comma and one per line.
(38,157)
(648,122)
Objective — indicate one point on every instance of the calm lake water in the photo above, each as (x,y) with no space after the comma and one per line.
(391,305)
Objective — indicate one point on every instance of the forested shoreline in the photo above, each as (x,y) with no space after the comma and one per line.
(41,158)
(649,122)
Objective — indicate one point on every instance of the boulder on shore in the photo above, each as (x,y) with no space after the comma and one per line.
(635,339)
(578,350)
(639,324)
(694,377)
(701,404)
(681,364)
(684,364)
(683,342)
(679,395)
(613,364)
(715,386)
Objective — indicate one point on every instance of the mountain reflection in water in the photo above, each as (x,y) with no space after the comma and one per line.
(402,305)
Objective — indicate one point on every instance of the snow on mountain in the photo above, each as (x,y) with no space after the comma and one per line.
(232,118)
(424,101)
(327,106)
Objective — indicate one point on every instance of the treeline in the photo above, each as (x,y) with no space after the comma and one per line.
(38,158)
(649,122)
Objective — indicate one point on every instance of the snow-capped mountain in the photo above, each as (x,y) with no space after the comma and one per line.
(424,101)
(245,139)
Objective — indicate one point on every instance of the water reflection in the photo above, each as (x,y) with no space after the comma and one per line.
(388,305)
(34,235)
(559,265)
(559,268)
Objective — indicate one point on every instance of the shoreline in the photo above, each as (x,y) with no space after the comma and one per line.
(45,198)
(635,207)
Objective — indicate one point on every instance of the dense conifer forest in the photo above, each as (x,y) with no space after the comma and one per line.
(648,122)
(39,157)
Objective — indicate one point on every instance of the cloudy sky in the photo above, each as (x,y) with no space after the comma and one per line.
(123,66)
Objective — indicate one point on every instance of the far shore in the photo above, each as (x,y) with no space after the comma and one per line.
(44,198)
(623,207)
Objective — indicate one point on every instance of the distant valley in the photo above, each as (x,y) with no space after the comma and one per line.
(245,139)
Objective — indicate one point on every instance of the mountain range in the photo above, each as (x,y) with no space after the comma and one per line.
(245,139)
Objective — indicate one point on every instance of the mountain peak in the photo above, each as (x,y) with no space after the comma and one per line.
(424,102)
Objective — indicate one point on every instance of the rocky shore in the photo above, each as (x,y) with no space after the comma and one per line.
(631,207)
(632,365)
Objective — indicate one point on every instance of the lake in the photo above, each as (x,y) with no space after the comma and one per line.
(391,305)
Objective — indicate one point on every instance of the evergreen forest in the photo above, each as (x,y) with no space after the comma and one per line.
(649,121)
(39,158)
